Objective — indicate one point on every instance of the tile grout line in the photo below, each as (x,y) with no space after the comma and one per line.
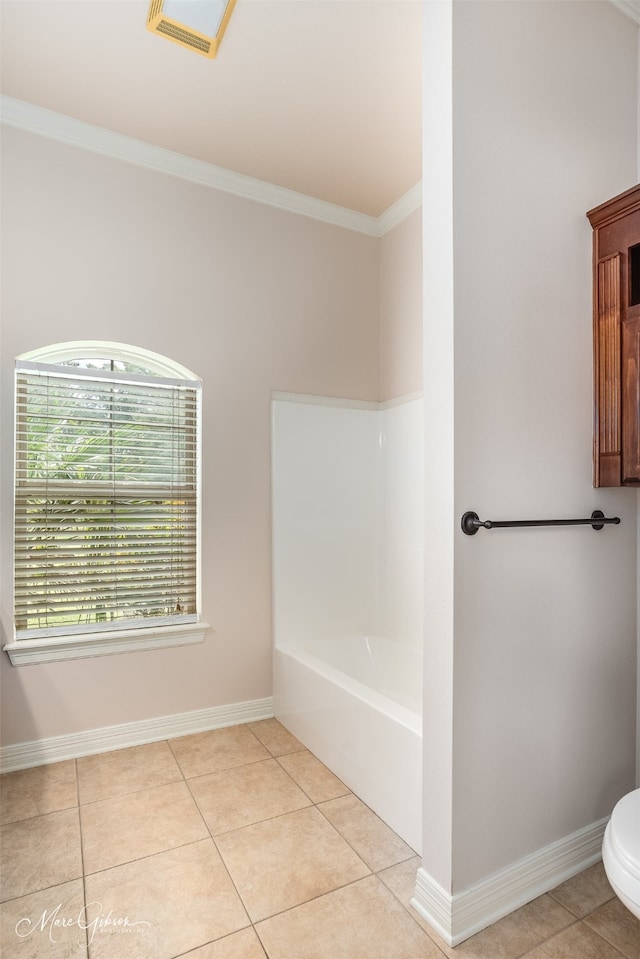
(558,932)
(599,934)
(561,932)
(278,758)
(82,864)
(579,919)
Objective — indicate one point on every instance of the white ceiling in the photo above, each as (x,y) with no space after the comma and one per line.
(321,97)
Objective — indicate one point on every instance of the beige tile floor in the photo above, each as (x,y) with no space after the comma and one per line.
(239,844)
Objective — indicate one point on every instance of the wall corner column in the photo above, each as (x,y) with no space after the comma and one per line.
(434,883)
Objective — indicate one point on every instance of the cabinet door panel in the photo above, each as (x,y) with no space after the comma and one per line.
(608,418)
(631,397)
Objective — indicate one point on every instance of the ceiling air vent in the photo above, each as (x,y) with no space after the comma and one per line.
(196,24)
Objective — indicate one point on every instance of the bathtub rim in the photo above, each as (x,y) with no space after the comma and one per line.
(401,714)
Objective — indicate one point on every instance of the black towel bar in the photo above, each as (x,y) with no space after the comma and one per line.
(471,523)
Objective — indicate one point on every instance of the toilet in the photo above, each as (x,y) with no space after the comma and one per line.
(621,851)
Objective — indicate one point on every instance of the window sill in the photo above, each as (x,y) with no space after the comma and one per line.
(85,645)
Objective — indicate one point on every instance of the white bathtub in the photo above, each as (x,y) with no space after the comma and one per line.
(355,702)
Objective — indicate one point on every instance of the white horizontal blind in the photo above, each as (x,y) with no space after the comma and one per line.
(106,502)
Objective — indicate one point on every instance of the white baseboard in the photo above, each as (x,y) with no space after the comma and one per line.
(57,748)
(457,917)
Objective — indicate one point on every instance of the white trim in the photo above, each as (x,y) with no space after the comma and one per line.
(33,119)
(401,400)
(24,652)
(630,7)
(312,400)
(58,353)
(58,748)
(108,376)
(457,917)
(400,210)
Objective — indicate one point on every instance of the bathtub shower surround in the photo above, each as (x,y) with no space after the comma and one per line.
(347,593)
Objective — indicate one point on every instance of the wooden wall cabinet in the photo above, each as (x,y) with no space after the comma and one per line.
(616,340)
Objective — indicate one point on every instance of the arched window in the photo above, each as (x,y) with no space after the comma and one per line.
(106,501)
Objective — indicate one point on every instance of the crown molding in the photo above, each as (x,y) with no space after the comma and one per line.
(33,119)
(630,7)
(400,210)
